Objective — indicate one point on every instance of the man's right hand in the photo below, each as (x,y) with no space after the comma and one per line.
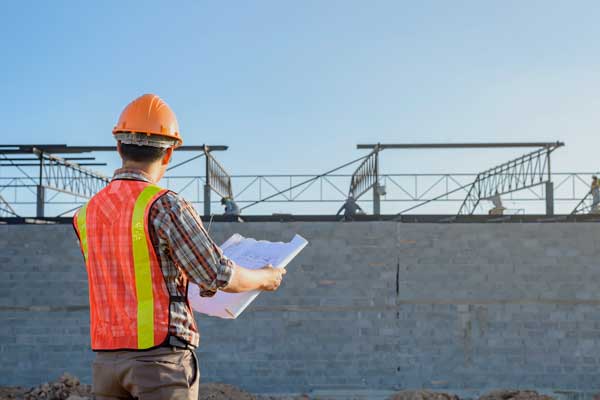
(273,277)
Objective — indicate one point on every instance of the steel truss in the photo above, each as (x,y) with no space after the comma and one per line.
(63,176)
(585,205)
(524,172)
(218,179)
(6,210)
(323,194)
(365,178)
(59,175)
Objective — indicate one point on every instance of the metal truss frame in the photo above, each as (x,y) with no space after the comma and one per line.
(584,206)
(6,210)
(523,172)
(62,175)
(218,179)
(442,191)
(365,176)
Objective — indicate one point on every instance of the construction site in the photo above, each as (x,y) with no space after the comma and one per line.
(379,304)
(313,200)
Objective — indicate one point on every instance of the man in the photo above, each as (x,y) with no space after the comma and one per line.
(231,207)
(498,206)
(142,246)
(350,208)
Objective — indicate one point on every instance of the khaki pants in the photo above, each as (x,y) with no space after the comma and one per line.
(164,373)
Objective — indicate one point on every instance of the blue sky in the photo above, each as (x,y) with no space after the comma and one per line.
(292,87)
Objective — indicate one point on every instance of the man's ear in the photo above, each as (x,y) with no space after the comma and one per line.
(167,157)
(119,148)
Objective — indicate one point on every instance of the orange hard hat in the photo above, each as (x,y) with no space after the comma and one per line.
(151,116)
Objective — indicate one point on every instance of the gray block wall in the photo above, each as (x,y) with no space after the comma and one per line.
(380,305)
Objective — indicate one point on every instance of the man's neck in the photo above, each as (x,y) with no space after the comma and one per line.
(151,170)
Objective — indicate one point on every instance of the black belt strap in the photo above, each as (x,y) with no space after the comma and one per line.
(182,299)
(174,341)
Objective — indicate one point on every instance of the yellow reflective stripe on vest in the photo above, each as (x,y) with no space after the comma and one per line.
(143,273)
(82,229)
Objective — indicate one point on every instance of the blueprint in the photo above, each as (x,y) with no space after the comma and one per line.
(248,253)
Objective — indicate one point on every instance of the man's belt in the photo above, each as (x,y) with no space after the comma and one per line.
(174,341)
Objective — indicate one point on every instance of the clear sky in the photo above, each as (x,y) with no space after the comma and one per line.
(292,87)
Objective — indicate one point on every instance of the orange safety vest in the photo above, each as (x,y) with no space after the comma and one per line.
(129,300)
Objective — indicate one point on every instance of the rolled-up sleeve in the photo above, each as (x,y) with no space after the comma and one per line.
(191,247)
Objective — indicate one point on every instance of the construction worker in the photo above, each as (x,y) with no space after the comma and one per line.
(231,207)
(142,246)
(497,202)
(350,208)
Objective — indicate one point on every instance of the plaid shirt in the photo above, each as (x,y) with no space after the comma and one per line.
(186,253)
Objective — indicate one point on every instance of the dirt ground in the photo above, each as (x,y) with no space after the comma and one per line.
(68,387)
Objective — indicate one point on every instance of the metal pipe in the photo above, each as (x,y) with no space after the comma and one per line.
(458,145)
(207,183)
(63,148)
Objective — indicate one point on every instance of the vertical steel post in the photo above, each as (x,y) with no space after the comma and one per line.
(549,198)
(376,194)
(549,190)
(40,195)
(207,184)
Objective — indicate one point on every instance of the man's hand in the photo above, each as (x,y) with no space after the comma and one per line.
(266,278)
(273,277)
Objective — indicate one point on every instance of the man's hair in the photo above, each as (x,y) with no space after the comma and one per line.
(133,152)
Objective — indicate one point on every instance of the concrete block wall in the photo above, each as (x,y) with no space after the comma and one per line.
(380,305)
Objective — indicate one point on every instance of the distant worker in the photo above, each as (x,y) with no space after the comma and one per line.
(350,208)
(142,246)
(497,202)
(231,207)
(595,191)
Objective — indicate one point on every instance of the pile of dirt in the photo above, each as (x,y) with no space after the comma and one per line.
(10,393)
(221,391)
(493,395)
(67,387)
(506,394)
(422,395)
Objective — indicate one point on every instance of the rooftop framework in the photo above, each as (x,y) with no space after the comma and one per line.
(517,174)
(68,176)
(295,192)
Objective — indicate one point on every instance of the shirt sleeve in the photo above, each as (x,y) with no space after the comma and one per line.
(190,246)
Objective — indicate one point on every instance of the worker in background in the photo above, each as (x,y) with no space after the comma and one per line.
(143,245)
(350,208)
(595,191)
(231,207)
(497,202)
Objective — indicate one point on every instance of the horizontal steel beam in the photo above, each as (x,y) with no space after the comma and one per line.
(38,164)
(459,145)
(64,149)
